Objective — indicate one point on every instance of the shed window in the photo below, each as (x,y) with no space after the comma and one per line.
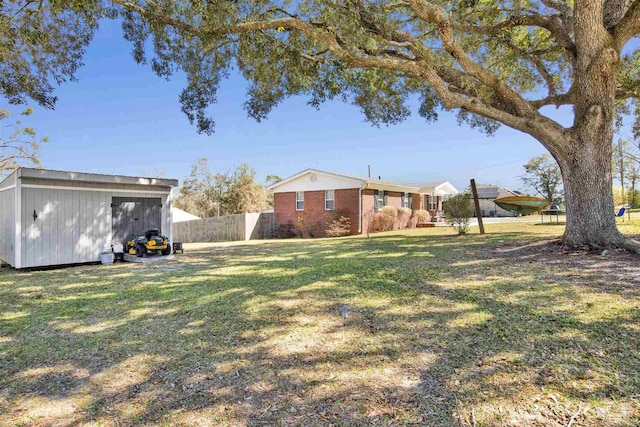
(379,200)
(329,200)
(299,200)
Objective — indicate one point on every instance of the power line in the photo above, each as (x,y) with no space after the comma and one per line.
(502,164)
(490,166)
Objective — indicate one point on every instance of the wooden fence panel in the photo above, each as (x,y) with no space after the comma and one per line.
(266,228)
(226,228)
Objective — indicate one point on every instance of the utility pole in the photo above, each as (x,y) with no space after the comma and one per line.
(476,203)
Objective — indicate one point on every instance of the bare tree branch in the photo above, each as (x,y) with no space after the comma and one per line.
(567,98)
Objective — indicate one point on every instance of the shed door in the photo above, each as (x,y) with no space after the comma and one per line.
(134,215)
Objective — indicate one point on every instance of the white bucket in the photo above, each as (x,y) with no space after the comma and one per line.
(106,258)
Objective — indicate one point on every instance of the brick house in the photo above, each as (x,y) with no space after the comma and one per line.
(433,194)
(314,197)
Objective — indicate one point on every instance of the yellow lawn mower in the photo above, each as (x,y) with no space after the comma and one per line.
(150,242)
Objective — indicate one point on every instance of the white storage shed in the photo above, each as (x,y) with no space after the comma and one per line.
(52,217)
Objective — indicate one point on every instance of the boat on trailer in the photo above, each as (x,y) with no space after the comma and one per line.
(523,204)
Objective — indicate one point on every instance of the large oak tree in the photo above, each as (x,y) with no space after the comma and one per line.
(494,62)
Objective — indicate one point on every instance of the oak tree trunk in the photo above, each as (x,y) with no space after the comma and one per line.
(586,172)
(585,158)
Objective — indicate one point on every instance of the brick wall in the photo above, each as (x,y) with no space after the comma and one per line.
(416,201)
(314,217)
(368,204)
(394,199)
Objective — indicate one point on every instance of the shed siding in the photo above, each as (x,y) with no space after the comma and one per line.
(72,226)
(7,225)
(9,181)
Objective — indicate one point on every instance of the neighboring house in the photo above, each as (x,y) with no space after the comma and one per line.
(54,217)
(487,194)
(433,194)
(178,215)
(314,196)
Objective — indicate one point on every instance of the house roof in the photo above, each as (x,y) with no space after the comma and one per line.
(357,181)
(440,188)
(431,184)
(94,177)
(492,192)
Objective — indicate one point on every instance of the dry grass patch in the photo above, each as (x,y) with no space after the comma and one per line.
(406,328)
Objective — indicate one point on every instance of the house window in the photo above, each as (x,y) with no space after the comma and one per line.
(378,200)
(407,200)
(329,200)
(299,200)
(432,203)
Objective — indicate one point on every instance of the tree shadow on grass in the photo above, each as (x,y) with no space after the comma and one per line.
(439,333)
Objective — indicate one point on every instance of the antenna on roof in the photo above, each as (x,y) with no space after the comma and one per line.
(369,166)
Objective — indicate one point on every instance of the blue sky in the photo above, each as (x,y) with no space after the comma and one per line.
(120,118)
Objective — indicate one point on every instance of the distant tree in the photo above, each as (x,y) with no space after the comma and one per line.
(458,211)
(207,194)
(633,195)
(197,194)
(273,179)
(618,196)
(622,163)
(543,175)
(270,180)
(18,145)
(242,192)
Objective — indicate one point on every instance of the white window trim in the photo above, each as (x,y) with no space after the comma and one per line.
(377,195)
(327,200)
(301,200)
(432,201)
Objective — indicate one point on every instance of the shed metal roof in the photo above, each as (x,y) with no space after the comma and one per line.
(94,177)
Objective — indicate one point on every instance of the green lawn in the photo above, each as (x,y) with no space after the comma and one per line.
(504,329)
